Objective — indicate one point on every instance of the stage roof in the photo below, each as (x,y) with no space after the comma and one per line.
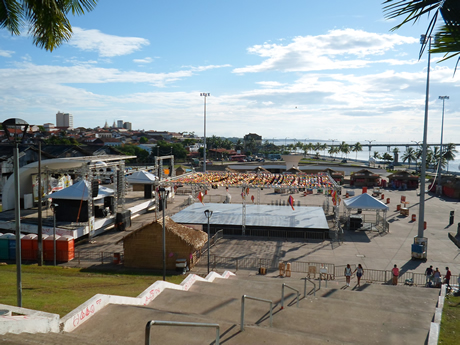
(256,215)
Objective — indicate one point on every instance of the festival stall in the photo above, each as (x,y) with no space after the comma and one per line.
(364,178)
(403,180)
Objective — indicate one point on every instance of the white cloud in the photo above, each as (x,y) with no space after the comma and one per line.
(6,53)
(338,49)
(106,45)
(142,61)
(270,84)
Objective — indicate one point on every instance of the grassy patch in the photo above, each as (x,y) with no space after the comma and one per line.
(450,323)
(59,290)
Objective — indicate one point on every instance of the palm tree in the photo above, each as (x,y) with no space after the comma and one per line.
(447,35)
(449,153)
(46,20)
(344,148)
(376,155)
(395,154)
(357,148)
(409,155)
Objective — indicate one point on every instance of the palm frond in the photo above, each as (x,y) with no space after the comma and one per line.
(11,16)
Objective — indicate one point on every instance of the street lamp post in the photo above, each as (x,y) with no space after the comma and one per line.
(13,127)
(440,146)
(370,142)
(418,144)
(54,232)
(163,195)
(208,214)
(205,95)
(421,220)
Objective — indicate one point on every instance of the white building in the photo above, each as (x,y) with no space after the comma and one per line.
(119,123)
(64,120)
(128,126)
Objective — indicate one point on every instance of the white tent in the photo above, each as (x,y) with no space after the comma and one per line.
(79,191)
(367,202)
(141,177)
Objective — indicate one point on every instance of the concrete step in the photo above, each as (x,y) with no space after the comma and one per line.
(132,332)
(48,339)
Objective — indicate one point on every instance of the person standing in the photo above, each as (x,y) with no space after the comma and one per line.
(359,273)
(437,278)
(348,274)
(447,277)
(395,272)
(428,275)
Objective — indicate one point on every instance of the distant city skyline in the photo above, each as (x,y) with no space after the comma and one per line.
(302,69)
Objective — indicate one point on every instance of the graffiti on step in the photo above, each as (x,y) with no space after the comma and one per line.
(85,313)
(152,294)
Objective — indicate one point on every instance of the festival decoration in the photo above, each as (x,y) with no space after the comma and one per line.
(291,201)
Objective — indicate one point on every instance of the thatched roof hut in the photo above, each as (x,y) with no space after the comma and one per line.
(143,248)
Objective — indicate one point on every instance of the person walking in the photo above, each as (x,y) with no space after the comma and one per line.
(348,274)
(428,275)
(395,272)
(359,273)
(447,277)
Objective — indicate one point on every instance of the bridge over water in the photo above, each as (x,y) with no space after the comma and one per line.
(389,146)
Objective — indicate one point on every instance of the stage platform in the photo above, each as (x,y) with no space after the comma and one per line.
(257,216)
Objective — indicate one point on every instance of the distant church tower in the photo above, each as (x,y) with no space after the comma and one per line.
(114,124)
(106,125)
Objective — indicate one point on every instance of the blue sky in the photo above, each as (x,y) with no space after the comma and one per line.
(296,69)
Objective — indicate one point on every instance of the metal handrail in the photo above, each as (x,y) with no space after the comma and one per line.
(282,294)
(256,299)
(305,287)
(176,323)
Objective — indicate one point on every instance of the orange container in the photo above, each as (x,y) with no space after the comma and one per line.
(48,248)
(364,190)
(403,199)
(382,196)
(424,225)
(388,200)
(29,247)
(414,218)
(398,207)
(65,248)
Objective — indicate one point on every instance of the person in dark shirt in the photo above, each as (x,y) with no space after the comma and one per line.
(429,275)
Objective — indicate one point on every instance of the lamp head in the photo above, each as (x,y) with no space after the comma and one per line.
(208,213)
(15,129)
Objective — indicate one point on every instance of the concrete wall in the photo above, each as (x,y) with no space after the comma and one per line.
(31,321)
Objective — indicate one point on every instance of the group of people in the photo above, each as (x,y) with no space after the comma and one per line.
(434,277)
(359,273)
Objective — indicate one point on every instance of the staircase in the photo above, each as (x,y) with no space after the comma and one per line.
(372,314)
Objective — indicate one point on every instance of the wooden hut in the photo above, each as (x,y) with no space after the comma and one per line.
(364,178)
(337,176)
(143,248)
(180,171)
(403,180)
